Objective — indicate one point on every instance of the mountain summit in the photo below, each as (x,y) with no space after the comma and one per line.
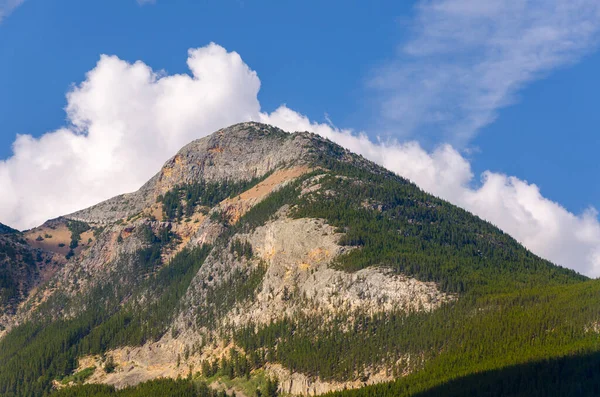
(261,260)
(238,153)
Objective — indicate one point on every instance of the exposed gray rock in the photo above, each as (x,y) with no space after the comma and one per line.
(239,152)
(300,278)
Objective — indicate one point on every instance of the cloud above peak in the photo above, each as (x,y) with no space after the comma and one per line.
(467,59)
(125,120)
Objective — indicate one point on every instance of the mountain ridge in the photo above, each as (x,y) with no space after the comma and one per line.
(4,229)
(254,251)
(239,152)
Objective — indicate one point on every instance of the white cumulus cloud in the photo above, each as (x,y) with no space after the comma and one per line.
(125,120)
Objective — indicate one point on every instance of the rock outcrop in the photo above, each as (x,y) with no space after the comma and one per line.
(240,152)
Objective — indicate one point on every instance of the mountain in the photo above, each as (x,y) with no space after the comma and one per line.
(7,229)
(22,268)
(258,259)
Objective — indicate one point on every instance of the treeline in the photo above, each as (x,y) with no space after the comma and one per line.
(184,199)
(572,375)
(233,365)
(34,354)
(149,257)
(154,388)
(17,267)
(236,365)
(240,285)
(37,352)
(9,287)
(136,323)
(470,335)
(397,225)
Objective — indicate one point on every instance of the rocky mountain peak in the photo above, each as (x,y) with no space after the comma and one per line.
(240,152)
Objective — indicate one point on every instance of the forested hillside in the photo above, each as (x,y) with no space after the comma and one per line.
(317,267)
(22,267)
(7,229)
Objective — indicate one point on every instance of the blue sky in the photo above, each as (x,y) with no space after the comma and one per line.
(315,56)
(385,68)
(552,136)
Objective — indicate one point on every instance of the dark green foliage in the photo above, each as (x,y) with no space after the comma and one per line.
(234,365)
(76,228)
(240,286)
(86,391)
(8,250)
(79,377)
(241,249)
(109,365)
(137,323)
(150,257)
(513,307)
(264,210)
(576,375)
(7,229)
(397,225)
(18,269)
(35,353)
(467,336)
(98,231)
(183,200)
(155,388)
(9,287)
(271,387)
